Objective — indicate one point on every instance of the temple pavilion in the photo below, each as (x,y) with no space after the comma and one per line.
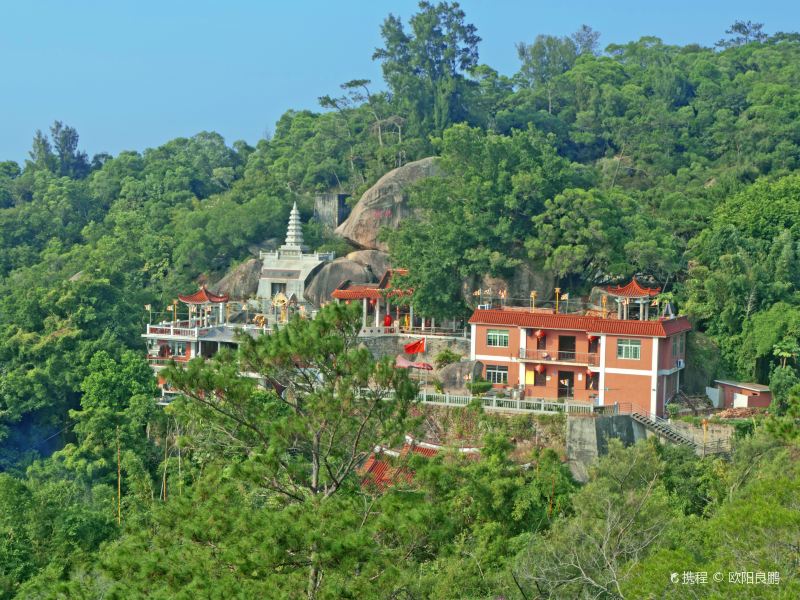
(385,309)
(633,293)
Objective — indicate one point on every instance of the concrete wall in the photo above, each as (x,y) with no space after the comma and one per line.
(331,209)
(392,345)
(716,431)
(587,438)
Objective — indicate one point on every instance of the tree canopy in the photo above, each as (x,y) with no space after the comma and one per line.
(586,166)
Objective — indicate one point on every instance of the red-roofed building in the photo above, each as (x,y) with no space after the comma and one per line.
(378,473)
(380,305)
(203,296)
(625,357)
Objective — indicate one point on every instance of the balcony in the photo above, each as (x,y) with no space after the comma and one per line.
(586,359)
(163,361)
(184,329)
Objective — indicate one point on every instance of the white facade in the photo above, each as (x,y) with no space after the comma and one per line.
(287,269)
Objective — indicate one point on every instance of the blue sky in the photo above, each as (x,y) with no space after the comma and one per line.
(135,74)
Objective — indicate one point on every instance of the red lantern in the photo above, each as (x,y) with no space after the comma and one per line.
(592,338)
(373,301)
(539,334)
(539,369)
(589,373)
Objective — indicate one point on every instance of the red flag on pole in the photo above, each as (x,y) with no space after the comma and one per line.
(415,347)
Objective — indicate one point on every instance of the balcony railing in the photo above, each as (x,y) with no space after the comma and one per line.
(163,361)
(179,329)
(536,405)
(578,358)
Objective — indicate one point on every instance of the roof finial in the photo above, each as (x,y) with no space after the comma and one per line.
(294,232)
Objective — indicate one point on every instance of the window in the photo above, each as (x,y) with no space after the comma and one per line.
(497,338)
(496,374)
(629,349)
(592,381)
(177,348)
(675,342)
(541,343)
(539,378)
(682,348)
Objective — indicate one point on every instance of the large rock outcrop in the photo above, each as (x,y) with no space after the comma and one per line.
(518,285)
(456,376)
(328,277)
(385,204)
(376,260)
(242,281)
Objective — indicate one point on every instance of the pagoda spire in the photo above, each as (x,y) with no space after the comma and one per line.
(294,232)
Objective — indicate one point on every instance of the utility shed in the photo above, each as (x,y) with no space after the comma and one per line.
(743,395)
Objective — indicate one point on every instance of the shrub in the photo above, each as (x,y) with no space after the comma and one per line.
(446,357)
(479,386)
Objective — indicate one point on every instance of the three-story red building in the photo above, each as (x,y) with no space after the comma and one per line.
(607,358)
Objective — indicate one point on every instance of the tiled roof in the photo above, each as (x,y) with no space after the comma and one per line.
(357,292)
(372,291)
(426,452)
(633,290)
(659,328)
(381,474)
(203,296)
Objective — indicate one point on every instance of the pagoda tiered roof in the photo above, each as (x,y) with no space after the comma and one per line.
(633,290)
(203,296)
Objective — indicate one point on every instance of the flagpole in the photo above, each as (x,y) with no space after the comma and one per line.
(424,348)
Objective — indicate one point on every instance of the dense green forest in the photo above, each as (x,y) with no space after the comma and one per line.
(678,163)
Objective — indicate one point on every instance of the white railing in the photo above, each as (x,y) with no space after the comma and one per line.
(173,330)
(170,330)
(536,405)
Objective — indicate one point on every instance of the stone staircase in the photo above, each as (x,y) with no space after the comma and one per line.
(662,428)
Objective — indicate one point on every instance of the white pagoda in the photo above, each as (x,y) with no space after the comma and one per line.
(285,271)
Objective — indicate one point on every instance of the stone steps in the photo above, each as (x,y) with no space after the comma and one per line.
(663,429)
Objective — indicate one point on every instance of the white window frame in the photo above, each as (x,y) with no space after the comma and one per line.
(626,347)
(497,374)
(497,335)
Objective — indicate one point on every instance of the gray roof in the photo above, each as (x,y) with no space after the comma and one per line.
(754,387)
(225,334)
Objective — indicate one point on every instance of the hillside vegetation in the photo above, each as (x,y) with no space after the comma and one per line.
(676,163)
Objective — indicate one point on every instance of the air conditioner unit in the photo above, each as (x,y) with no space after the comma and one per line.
(484,306)
(680,363)
(522,352)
